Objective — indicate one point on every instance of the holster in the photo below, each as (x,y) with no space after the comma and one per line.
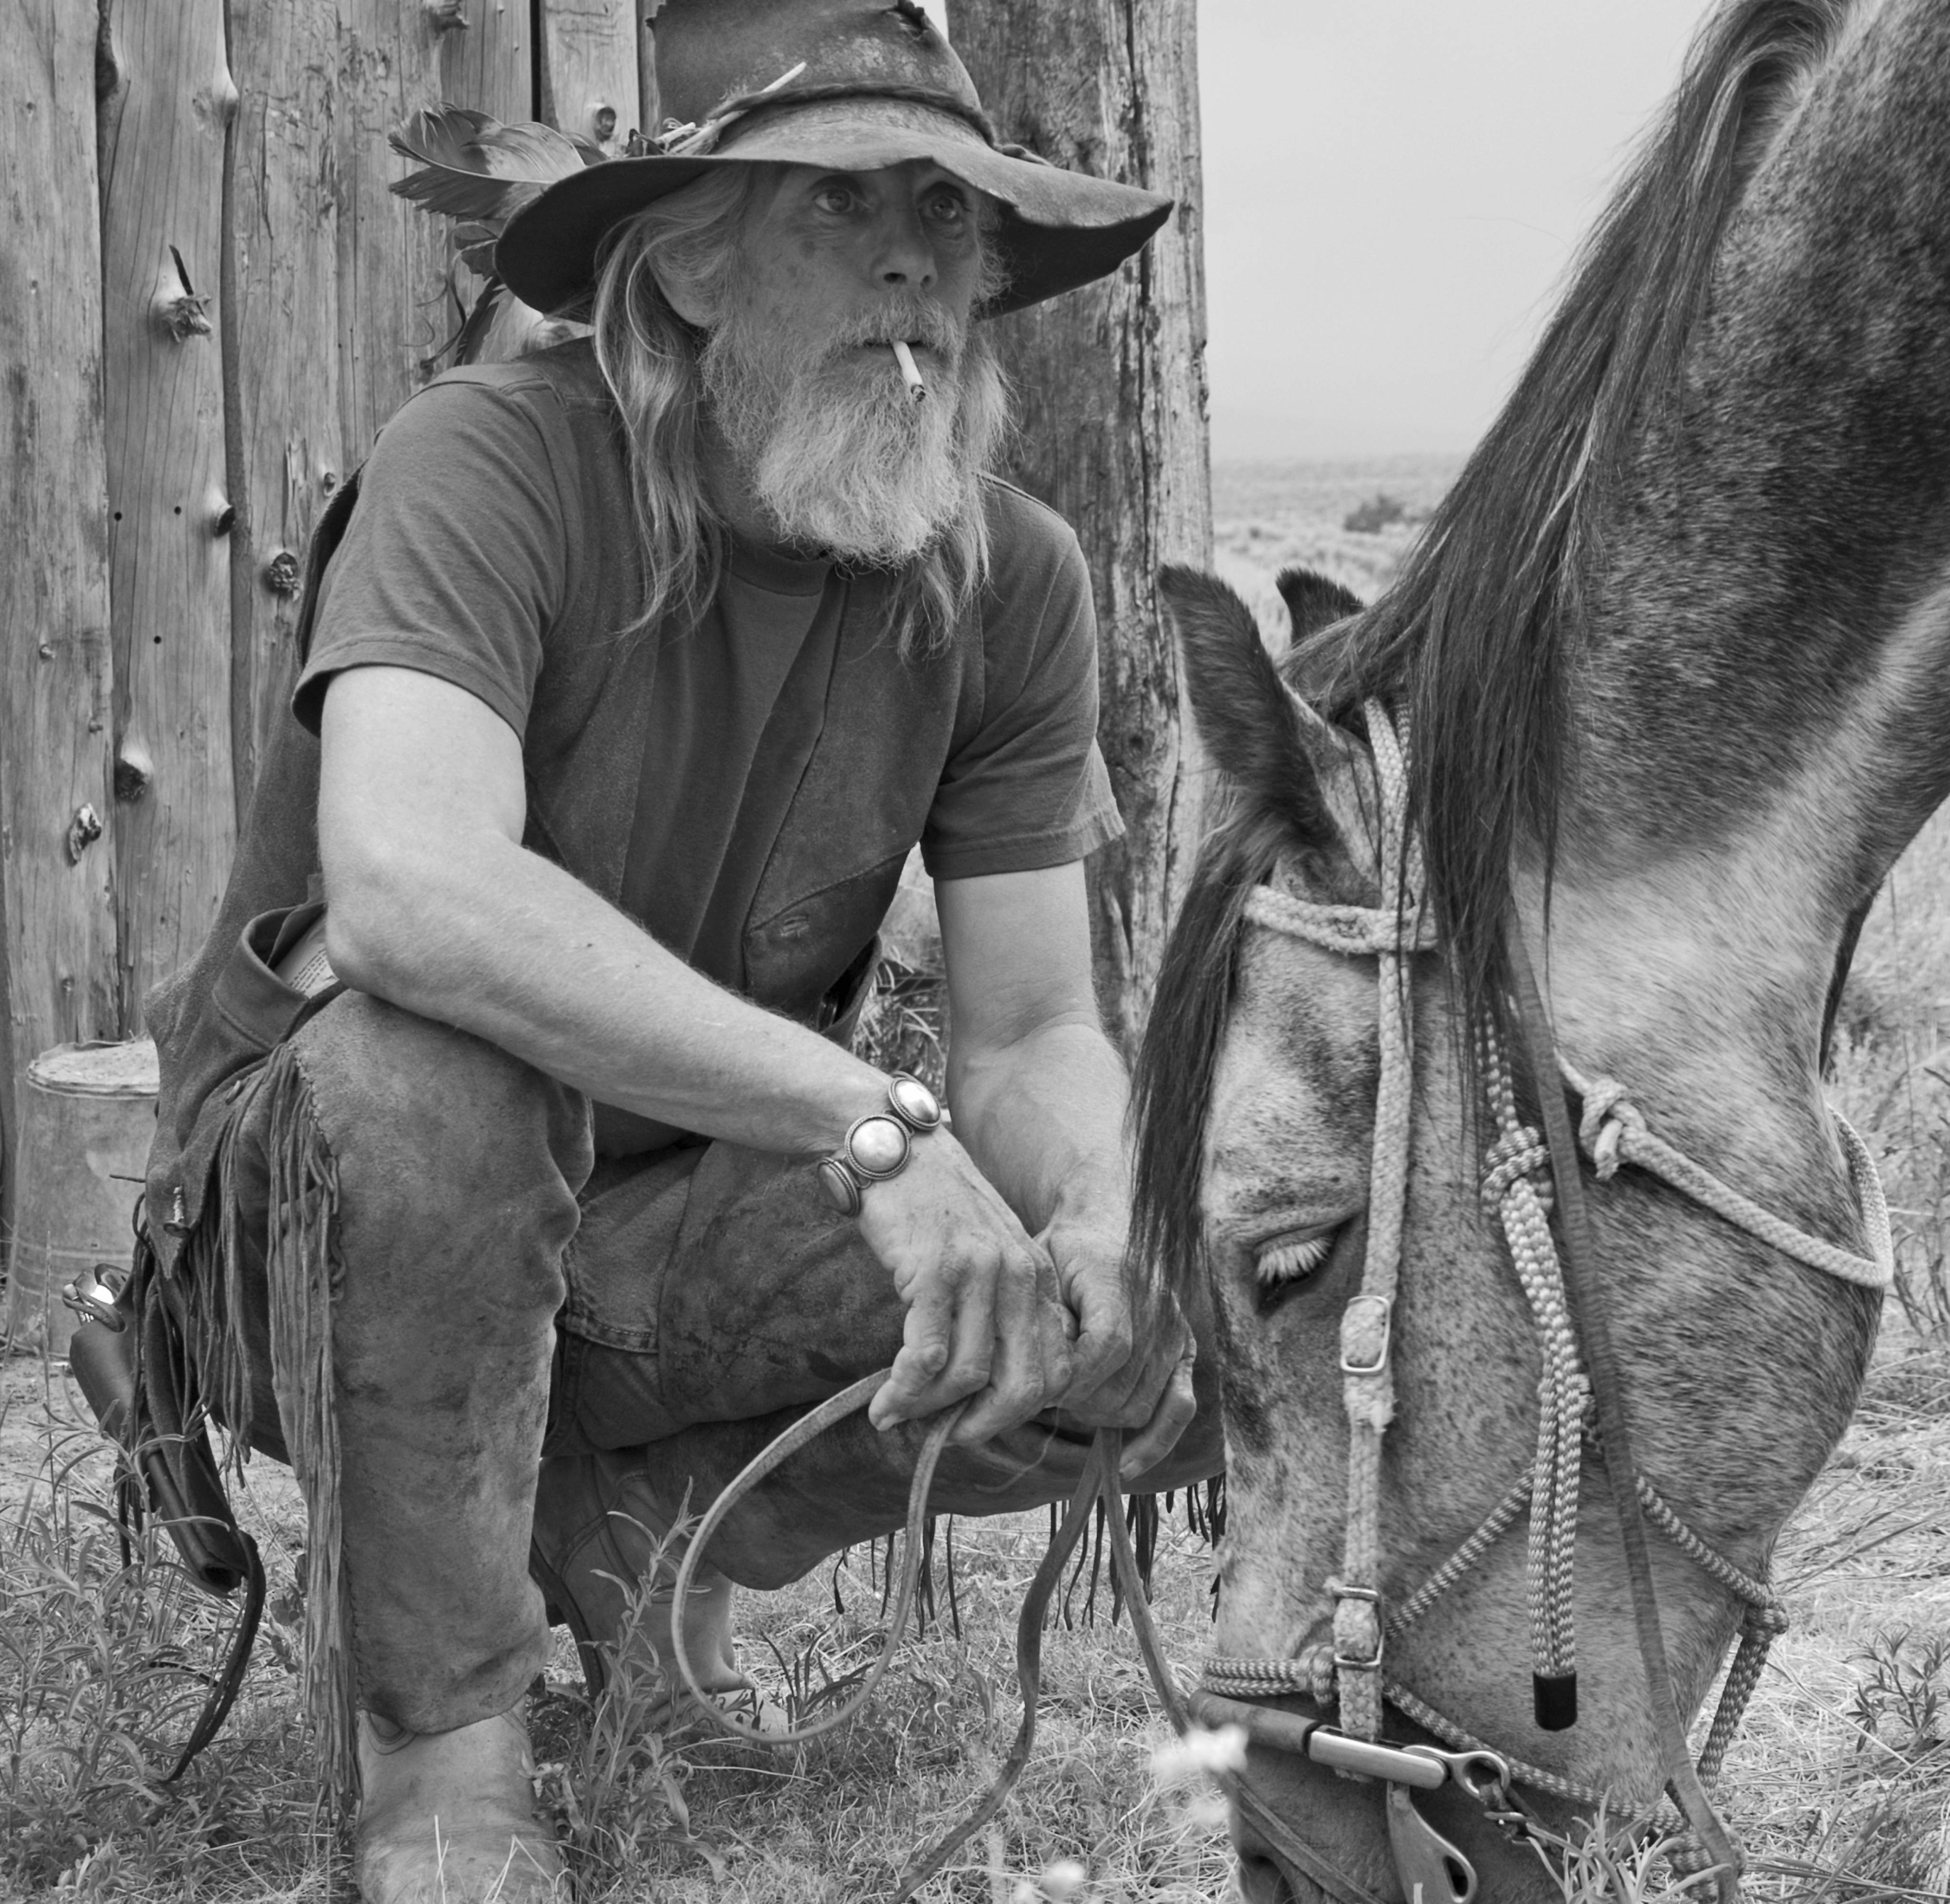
(140,1381)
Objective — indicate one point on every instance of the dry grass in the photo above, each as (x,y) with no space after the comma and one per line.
(1838,1786)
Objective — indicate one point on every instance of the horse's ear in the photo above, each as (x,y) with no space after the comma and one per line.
(1257,731)
(1315,601)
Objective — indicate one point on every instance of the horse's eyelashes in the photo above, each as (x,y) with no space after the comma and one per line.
(1283,1263)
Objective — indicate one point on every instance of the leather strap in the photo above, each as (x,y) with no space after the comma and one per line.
(1029,1674)
(849,1401)
(1601,1362)
(1270,1827)
(138,1383)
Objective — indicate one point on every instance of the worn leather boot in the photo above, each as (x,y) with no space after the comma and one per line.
(599,1529)
(449,1818)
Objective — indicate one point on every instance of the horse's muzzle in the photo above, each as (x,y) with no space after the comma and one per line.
(1344,1823)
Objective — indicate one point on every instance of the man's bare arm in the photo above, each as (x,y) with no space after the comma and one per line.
(434,905)
(1039,1100)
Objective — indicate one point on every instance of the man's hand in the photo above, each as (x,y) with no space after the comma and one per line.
(985,1316)
(1134,1353)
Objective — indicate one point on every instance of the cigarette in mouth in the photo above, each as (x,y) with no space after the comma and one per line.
(910,371)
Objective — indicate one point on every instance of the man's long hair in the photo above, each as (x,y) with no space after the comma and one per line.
(650,358)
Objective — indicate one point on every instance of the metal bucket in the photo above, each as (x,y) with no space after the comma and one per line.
(87,1116)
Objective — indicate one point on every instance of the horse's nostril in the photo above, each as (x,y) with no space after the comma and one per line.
(1261,1881)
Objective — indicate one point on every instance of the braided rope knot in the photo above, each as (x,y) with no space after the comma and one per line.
(1769,1617)
(1610,1120)
(1317,1663)
(1517,1154)
(1580,1403)
(1354,932)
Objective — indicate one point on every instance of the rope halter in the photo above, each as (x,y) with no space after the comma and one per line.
(1351,1672)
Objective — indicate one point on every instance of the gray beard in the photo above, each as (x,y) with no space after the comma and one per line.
(837,453)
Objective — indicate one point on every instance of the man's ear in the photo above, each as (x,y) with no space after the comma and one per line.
(682,298)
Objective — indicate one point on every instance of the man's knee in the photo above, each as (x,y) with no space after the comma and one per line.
(399,1095)
(453,1165)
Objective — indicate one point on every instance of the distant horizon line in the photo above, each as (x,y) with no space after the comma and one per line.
(1235,459)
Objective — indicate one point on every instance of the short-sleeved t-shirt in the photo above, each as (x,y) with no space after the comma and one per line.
(694,772)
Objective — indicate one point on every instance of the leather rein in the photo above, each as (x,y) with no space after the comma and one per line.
(1582,1401)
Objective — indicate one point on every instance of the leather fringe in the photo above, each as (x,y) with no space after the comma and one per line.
(209,1270)
(304,1272)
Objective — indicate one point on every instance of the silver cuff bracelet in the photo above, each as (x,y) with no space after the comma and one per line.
(878,1146)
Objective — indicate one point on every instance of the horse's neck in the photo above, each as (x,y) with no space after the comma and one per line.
(1765,686)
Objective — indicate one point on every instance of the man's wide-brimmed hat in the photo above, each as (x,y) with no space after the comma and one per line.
(850,84)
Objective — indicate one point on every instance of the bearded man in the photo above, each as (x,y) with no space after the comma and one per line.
(519,1197)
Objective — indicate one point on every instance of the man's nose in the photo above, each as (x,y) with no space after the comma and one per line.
(904,259)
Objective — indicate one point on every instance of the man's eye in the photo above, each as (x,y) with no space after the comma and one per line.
(835,199)
(949,207)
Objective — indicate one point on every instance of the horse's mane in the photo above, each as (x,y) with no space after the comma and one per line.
(1476,642)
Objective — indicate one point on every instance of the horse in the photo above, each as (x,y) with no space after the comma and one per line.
(1656,700)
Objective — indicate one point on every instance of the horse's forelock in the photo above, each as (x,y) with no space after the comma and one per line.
(1472,641)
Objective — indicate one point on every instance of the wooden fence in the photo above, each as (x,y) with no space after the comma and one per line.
(209,302)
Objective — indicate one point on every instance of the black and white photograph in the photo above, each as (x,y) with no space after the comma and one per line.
(975,952)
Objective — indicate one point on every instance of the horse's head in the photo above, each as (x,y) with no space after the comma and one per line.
(1673,659)
(1259,1089)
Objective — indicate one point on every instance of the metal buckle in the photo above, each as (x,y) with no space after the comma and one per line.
(1386,1305)
(1353,1662)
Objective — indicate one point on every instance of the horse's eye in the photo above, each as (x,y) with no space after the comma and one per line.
(1287,1261)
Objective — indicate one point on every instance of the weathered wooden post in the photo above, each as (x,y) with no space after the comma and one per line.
(393,309)
(589,72)
(166,111)
(1113,392)
(58,978)
(280,324)
(585,81)
(487,61)
(333,294)
(650,97)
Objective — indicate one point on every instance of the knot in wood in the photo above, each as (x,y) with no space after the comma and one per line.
(82,831)
(183,316)
(447,16)
(281,573)
(133,770)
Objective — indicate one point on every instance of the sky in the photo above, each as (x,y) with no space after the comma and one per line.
(1393,190)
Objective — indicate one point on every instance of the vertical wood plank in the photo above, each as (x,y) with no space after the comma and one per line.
(490,62)
(650,97)
(589,83)
(393,309)
(162,173)
(56,912)
(1112,398)
(281,328)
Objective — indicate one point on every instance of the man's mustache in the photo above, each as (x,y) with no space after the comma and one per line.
(912,322)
